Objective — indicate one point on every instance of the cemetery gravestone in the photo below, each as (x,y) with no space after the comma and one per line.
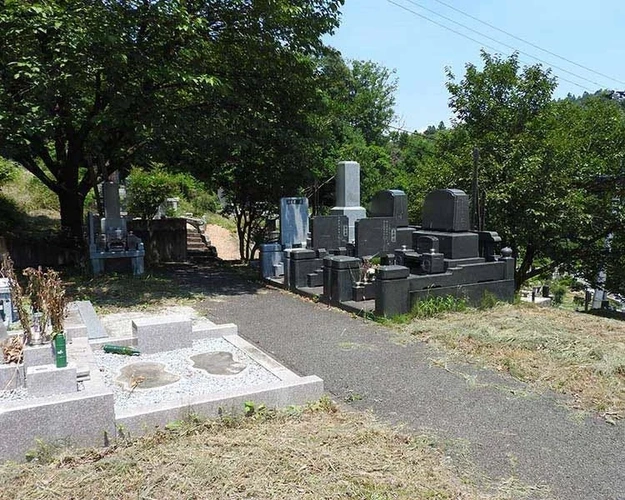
(446,210)
(330,232)
(293,222)
(375,236)
(348,195)
(390,203)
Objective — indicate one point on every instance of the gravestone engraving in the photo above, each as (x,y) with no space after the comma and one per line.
(390,203)
(348,195)
(375,236)
(293,222)
(446,210)
(330,232)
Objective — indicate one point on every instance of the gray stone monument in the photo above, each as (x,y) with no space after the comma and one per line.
(113,225)
(446,210)
(113,243)
(293,222)
(348,195)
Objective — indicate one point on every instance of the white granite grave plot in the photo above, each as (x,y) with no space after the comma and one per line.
(191,381)
(208,368)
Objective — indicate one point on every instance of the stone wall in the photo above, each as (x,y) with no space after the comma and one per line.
(165,240)
(49,252)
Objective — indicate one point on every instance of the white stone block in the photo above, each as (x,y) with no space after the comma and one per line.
(162,333)
(48,380)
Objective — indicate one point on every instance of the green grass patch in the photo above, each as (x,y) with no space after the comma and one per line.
(221,221)
(430,307)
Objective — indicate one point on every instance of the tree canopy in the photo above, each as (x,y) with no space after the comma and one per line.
(94,87)
(539,161)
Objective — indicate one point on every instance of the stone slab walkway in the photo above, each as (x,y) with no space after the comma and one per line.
(507,430)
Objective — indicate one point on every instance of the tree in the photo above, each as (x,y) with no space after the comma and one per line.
(358,101)
(94,87)
(537,159)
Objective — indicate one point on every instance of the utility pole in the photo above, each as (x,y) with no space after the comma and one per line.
(476,223)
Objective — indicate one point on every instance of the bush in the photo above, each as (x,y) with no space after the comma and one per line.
(433,306)
(146,191)
(205,202)
(11,215)
(558,290)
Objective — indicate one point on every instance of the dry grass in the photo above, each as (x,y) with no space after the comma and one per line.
(313,454)
(31,195)
(576,354)
(113,293)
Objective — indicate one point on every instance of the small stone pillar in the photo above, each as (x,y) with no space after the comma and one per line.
(301,262)
(392,296)
(506,256)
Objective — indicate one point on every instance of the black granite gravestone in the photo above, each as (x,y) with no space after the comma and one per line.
(375,235)
(425,244)
(330,231)
(390,203)
(446,210)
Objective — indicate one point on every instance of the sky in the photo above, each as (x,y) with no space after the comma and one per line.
(591,34)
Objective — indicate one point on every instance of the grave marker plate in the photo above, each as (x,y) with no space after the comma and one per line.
(375,235)
(330,232)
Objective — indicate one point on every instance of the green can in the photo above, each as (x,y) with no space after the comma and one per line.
(60,351)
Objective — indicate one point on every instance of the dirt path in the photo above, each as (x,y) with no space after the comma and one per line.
(227,244)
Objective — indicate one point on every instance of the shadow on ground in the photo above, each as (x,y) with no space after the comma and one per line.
(176,281)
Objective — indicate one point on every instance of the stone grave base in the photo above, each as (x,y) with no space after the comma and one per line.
(94,414)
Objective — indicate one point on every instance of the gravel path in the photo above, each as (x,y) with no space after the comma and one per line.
(226,243)
(505,428)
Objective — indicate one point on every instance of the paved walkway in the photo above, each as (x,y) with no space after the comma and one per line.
(504,428)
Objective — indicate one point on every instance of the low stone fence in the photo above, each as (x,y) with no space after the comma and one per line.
(165,240)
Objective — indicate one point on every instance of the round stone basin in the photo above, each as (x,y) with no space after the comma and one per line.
(145,375)
(218,363)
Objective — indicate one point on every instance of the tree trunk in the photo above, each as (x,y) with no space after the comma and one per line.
(521,274)
(72,205)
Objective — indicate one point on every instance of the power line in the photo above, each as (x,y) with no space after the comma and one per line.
(469,38)
(416,4)
(528,42)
